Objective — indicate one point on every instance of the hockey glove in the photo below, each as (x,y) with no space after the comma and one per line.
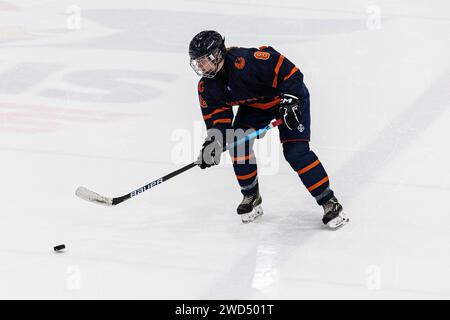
(211,153)
(290,110)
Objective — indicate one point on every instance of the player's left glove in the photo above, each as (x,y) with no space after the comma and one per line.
(290,110)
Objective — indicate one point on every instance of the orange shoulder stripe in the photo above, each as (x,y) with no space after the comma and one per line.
(277,69)
(294,70)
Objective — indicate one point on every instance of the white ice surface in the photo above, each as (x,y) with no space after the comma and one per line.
(380,112)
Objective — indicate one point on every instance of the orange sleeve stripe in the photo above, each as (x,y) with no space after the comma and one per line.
(209,116)
(294,70)
(318,184)
(248,176)
(262,47)
(238,159)
(277,68)
(222,121)
(309,167)
(266,105)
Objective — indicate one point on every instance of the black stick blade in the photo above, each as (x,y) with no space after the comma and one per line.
(91,196)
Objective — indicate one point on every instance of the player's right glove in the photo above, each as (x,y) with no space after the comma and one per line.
(211,153)
(290,110)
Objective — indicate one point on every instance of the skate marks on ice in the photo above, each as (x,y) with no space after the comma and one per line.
(256,274)
(365,165)
(284,235)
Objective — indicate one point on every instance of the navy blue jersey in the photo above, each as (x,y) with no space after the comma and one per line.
(250,78)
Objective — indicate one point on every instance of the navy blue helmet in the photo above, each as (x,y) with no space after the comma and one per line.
(206,51)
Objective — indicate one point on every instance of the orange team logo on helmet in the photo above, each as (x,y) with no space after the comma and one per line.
(202,101)
(201,86)
(262,55)
(239,63)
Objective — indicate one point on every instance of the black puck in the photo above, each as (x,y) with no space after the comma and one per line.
(60,247)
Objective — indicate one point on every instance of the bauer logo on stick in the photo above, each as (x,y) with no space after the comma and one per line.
(149,186)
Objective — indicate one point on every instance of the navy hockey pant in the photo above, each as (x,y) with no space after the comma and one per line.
(295,149)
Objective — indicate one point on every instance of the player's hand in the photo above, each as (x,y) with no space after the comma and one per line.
(210,154)
(290,111)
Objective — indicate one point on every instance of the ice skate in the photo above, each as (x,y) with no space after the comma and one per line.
(250,207)
(334,216)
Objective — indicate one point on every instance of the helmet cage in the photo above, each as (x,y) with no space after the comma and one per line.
(207,65)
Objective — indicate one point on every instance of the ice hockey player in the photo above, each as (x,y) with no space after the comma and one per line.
(266,86)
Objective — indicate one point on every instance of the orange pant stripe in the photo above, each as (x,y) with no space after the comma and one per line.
(318,184)
(248,176)
(309,167)
(239,159)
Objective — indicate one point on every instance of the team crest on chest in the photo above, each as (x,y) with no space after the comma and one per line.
(239,63)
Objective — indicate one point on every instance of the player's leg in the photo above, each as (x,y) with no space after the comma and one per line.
(310,169)
(244,162)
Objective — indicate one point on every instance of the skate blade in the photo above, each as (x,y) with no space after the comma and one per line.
(343,220)
(252,216)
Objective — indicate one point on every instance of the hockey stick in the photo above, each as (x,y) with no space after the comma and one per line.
(88,195)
